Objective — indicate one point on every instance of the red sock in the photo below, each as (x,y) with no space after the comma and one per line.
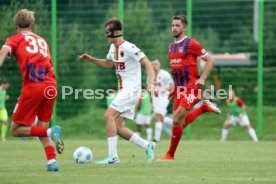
(38,131)
(50,152)
(176,136)
(193,115)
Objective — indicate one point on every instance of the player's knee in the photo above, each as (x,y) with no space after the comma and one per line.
(14,132)
(177,122)
(108,117)
(247,127)
(225,125)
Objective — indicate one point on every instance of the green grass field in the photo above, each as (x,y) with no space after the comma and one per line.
(207,162)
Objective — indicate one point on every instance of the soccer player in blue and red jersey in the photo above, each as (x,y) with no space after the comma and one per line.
(183,53)
(38,88)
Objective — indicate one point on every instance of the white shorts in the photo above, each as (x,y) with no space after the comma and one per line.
(125,102)
(160,105)
(143,119)
(242,119)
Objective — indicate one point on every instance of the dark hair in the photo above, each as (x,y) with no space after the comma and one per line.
(183,19)
(115,22)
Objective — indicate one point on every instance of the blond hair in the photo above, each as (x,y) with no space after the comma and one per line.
(24,18)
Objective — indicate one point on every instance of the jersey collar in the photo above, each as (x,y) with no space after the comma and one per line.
(181,40)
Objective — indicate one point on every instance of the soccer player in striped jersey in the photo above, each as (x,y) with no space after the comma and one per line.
(127,60)
(38,87)
(183,53)
(237,114)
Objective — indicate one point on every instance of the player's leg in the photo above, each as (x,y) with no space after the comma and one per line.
(167,127)
(111,130)
(139,123)
(148,127)
(44,114)
(48,149)
(207,106)
(179,116)
(21,130)
(159,119)
(127,134)
(160,105)
(244,121)
(4,119)
(225,130)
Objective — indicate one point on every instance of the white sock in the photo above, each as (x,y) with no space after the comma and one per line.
(138,133)
(168,130)
(49,130)
(158,131)
(51,161)
(112,146)
(224,134)
(252,134)
(167,127)
(149,134)
(139,141)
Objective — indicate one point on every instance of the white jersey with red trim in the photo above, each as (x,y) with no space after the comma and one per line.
(126,58)
(163,81)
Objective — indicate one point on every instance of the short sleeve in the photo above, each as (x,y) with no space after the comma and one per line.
(10,44)
(167,78)
(197,49)
(109,54)
(136,53)
(240,102)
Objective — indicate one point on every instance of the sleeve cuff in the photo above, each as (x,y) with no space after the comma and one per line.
(206,54)
(10,50)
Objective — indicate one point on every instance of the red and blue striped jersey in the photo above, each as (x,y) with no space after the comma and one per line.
(183,61)
(33,57)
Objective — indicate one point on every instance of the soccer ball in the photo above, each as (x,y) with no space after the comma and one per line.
(82,155)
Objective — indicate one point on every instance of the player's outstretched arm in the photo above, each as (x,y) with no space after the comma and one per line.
(100,62)
(150,73)
(207,70)
(4,52)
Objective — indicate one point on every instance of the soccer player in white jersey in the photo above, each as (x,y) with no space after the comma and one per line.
(163,86)
(127,59)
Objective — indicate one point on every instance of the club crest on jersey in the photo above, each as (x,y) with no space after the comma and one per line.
(180,50)
(122,53)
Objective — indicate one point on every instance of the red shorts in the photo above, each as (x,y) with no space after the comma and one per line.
(187,98)
(36,100)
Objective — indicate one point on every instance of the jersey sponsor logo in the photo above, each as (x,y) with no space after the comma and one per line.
(120,66)
(180,50)
(175,61)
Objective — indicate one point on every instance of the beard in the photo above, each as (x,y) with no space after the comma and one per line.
(177,35)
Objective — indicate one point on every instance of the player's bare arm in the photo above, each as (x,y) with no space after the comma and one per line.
(3,54)
(150,73)
(105,63)
(207,70)
(243,107)
(171,88)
